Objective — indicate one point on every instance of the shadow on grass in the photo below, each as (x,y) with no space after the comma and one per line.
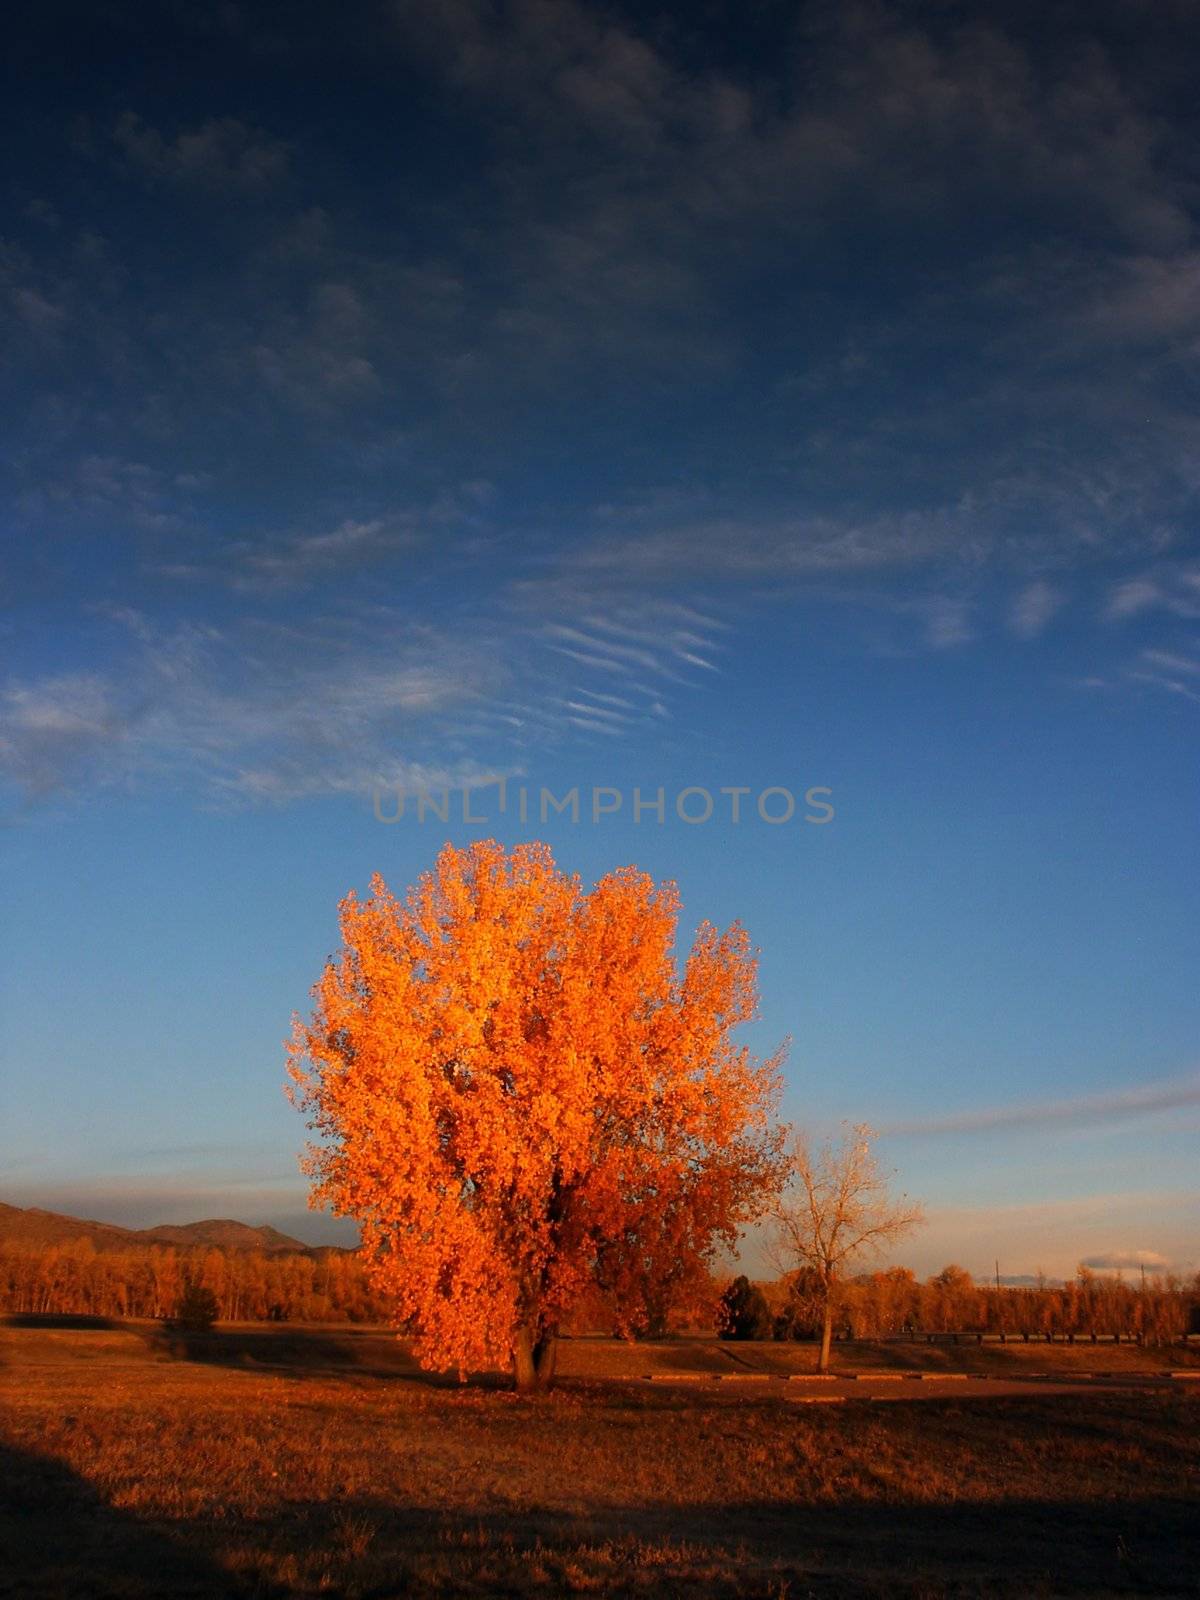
(56,1319)
(300,1353)
(59,1539)
(1020,1547)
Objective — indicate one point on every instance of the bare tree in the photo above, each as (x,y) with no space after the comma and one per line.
(836,1208)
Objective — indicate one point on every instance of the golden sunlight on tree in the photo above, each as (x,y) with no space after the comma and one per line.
(836,1209)
(527,1107)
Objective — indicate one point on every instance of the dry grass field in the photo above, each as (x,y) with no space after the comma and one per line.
(259,1462)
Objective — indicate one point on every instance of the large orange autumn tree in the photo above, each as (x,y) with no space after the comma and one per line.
(526,1105)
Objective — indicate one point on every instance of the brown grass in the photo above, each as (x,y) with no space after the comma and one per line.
(128,1471)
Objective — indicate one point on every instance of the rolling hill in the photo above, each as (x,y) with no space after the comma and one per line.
(33,1226)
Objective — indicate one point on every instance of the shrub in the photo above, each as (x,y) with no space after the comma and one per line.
(197,1309)
(744,1312)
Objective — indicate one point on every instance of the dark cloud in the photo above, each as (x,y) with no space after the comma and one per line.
(222,154)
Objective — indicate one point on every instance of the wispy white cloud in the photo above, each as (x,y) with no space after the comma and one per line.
(596,697)
(597,647)
(787,547)
(337,705)
(1127,1261)
(1172,661)
(1174,590)
(585,708)
(947,620)
(1168,596)
(1132,596)
(142,496)
(1114,1105)
(641,644)
(1170,684)
(304,555)
(1034,608)
(453,521)
(588,659)
(592,725)
(54,728)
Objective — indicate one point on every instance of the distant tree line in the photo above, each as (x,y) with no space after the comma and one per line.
(878,1305)
(74,1278)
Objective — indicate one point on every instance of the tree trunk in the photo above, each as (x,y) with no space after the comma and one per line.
(826,1331)
(545,1358)
(523,1374)
(534,1359)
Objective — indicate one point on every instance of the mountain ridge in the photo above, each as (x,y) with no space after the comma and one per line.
(31,1224)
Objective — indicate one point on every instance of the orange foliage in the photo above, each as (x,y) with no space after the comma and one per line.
(521,1100)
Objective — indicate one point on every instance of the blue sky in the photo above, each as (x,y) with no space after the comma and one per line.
(426,394)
